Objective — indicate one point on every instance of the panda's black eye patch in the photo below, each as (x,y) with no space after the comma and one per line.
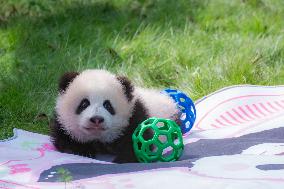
(82,106)
(107,105)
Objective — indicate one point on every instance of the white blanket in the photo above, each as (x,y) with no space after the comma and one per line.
(236,142)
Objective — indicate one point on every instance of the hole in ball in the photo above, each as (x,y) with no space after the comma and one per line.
(148,122)
(136,133)
(192,109)
(183,116)
(139,144)
(175,138)
(163,138)
(187,124)
(148,134)
(168,152)
(162,126)
(181,107)
(153,148)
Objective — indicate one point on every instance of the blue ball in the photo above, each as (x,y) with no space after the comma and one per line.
(186,107)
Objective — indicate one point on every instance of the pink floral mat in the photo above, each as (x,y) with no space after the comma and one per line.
(237,142)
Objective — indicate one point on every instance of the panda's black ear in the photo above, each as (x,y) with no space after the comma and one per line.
(127,87)
(66,79)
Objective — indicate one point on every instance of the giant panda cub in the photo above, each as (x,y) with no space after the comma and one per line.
(97,112)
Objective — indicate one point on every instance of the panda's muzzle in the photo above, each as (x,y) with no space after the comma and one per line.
(96,124)
(97,120)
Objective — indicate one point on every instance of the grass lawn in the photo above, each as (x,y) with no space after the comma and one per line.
(193,45)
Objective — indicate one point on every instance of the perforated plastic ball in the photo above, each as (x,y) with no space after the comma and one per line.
(165,144)
(186,106)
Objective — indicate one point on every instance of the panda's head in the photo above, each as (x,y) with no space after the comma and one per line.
(94,105)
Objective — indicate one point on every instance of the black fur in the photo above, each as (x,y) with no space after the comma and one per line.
(66,79)
(122,147)
(107,105)
(127,87)
(82,106)
(64,143)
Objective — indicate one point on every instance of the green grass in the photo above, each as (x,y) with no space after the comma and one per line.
(196,46)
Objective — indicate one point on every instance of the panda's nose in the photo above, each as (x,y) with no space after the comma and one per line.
(97,119)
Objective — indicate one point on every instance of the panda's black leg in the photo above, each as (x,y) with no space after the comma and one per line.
(125,158)
(123,150)
(64,143)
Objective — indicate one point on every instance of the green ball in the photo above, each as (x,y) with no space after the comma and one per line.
(167,137)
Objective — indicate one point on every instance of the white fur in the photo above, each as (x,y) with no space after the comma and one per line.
(159,105)
(98,86)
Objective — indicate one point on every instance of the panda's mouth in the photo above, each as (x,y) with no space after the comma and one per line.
(95,128)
